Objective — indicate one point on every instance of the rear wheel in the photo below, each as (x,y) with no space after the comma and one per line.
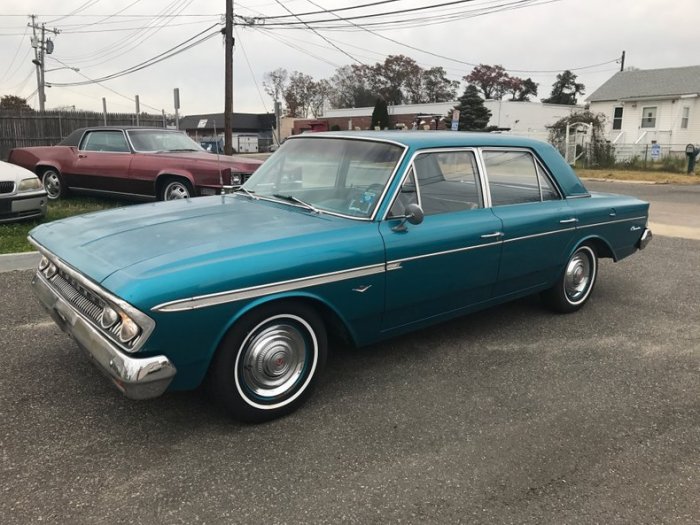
(268,363)
(576,283)
(174,189)
(53,184)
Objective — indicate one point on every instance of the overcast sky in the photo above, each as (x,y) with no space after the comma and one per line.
(99,39)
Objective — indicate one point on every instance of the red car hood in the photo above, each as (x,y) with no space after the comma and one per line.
(236,163)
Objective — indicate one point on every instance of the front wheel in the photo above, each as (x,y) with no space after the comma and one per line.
(576,283)
(174,189)
(268,363)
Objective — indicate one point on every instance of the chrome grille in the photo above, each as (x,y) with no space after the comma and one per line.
(7,186)
(86,302)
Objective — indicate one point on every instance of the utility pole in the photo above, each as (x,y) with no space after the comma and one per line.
(228,82)
(622,62)
(104,110)
(138,109)
(42,47)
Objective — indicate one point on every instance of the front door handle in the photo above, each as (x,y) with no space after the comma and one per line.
(568,221)
(491,235)
(82,156)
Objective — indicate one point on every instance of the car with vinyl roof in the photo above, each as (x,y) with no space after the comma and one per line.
(132,162)
(355,236)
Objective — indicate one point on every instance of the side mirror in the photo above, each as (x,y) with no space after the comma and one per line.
(413,214)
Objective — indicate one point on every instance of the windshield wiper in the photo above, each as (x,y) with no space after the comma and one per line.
(292,198)
(248,193)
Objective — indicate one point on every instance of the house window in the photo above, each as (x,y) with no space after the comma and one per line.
(684,117)
(649,117)
(617,118)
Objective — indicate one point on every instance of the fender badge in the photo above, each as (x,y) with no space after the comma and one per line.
(362,289)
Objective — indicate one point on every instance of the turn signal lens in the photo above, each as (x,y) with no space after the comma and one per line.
(235,179)
(109,317)
(129,330)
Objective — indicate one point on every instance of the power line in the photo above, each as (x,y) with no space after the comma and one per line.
(80,8)
(250,68)
(319,34)
(173,51)
(12,62)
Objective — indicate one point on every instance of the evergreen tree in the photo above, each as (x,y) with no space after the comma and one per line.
(380,115)
(473,115)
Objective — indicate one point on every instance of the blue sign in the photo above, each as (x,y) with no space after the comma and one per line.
(655,151)
(455,125)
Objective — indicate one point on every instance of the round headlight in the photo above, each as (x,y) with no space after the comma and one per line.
(109,317)
(129,330)
(50,270)
(43,263)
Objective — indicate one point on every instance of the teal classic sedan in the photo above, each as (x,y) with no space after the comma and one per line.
(363,235)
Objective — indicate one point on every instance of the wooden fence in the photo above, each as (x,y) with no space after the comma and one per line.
(20,129)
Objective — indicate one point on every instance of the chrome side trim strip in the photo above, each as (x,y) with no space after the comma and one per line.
(535,235)
(613,222)
(203,301)
(396,263)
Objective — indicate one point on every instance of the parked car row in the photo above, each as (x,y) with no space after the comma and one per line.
(362,235)
(132,163)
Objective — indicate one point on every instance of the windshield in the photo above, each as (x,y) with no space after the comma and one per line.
(336,175)
(161,140)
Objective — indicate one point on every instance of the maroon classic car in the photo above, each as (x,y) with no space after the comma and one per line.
(132,162)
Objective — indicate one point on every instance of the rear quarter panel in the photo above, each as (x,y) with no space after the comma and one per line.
(33,159)
(616,219)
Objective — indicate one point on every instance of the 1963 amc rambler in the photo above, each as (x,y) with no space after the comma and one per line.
(366,235)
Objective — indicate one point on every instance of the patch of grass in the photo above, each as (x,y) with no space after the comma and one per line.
(13,236)
(659,177)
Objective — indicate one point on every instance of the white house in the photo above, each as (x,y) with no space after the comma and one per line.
(654,106)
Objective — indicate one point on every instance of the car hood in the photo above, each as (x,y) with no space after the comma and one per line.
(237,162)
(195,239)
(12,172)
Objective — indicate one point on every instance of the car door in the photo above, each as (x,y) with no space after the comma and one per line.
(103,162)
(449,261)
(538,224)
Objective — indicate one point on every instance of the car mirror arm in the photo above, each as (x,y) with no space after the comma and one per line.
(413,215)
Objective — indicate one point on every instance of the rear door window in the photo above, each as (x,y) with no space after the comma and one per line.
(515,178)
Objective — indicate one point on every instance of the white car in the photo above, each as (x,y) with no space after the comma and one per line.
(22,196)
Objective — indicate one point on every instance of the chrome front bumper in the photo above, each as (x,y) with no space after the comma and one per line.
(645,239)
(137,378)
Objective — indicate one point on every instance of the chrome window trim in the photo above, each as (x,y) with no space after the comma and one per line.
(229,296)
(536,162)
(411,166)
(540,167)
(389,181)
(88,131)
(581,196)
(128,137)
(144,322)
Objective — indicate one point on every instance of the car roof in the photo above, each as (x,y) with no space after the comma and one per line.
(568,181)
(435,139)
(74,137)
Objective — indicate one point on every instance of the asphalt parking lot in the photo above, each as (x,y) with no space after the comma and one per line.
(512,415)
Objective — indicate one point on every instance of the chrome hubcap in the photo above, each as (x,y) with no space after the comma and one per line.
(273,360)
(175,191)
(578,277)
(52,184)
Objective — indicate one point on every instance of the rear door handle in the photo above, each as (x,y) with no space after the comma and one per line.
(568,221)
(491,235)
(82,156)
